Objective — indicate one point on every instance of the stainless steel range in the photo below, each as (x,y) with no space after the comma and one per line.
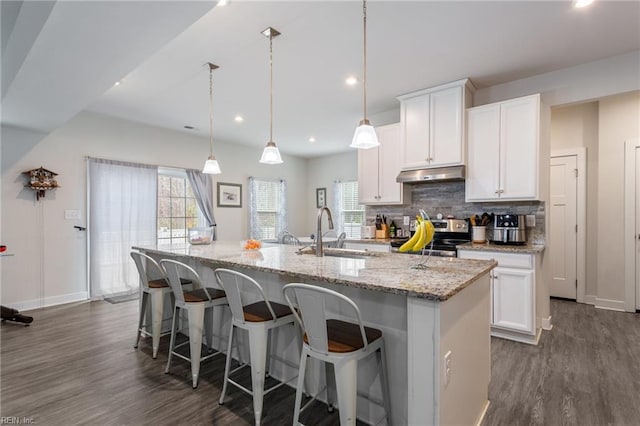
(449,233)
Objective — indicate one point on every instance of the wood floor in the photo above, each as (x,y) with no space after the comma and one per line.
(76,365)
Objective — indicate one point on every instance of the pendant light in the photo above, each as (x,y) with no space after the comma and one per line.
(365,136)
(271,154)
(211,166)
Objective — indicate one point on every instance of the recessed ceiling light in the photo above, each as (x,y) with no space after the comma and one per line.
(582,3)
(312,139)
(117,83)
(238,119)
(351,80)
(223,2)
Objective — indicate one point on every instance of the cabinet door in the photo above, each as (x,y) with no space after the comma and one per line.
(513,299)
(389,164)
(368,175)
(445,132)
(519,147)
(483,168)
(415,132)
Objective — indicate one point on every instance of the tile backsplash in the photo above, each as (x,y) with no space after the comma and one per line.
(447,198)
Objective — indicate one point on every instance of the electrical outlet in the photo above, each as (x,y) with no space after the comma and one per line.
(72,214)
(531,220)
(447,368)
(405,220)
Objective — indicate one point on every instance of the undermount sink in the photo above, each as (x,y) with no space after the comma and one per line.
(339,252)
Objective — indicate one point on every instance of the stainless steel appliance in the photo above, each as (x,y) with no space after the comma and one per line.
(509,229)
(448,234)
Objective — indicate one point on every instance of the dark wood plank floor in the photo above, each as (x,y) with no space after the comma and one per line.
(75,365)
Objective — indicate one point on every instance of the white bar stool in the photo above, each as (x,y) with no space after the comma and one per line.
(155,286)
(195,302)
(339,343)
(258,319)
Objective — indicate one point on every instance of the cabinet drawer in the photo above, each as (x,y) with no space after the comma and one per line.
(508,260)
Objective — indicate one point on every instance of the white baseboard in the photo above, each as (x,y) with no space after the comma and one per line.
(590,299)
(28,305)
(517,336)
(483,413)
(545,323)
(612,305)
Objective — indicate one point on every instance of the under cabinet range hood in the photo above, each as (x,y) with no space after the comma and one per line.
(441,174)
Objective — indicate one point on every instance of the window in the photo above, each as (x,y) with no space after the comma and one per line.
(350,213)
(177,207)
(267,204)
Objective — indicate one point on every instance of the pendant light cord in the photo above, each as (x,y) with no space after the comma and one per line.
(364,79)
(211,109)
(270,87)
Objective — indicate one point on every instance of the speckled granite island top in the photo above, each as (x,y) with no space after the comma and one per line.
(524,249)
(385,272)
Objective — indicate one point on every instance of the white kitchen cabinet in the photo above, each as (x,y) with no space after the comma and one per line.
(513,294)
(378,169)
(504,151)
(432,125)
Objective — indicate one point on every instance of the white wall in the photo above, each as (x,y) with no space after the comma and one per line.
(619,120)
(577,126)
(322,172)
(49,265)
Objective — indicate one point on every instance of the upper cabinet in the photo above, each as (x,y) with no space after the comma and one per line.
(432,125)
(379,167)
(504,151)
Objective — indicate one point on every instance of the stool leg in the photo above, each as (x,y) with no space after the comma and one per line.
(157,311)
(227,366)
(384,381)
(172,343)
(258,356)
(196,321)
(143,309)
(300,387)
(208,327)
(346,374)
(330,385)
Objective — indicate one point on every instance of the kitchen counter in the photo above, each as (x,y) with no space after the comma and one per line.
(424,315)
(386,272)
(526,248)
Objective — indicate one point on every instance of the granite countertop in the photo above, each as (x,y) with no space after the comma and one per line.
(384,272)
(528,248)
(385,241)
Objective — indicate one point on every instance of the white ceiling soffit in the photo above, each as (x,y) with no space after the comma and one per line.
(61,56)
(411,45)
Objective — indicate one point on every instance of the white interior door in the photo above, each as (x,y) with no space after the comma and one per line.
(563,233)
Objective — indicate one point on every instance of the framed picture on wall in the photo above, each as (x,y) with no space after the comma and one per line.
(321,197)
(229,194)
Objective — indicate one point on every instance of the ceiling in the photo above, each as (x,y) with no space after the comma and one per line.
(60,58)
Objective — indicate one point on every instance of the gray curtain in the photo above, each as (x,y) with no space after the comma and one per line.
(203,191)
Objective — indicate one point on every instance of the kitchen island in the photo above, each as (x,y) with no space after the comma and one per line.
(425,315)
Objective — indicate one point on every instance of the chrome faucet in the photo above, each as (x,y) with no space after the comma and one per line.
(319,252)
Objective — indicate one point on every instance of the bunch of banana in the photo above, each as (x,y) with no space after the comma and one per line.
(422,237)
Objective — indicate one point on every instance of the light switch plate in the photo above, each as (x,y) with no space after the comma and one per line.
(531,220)
(72,214)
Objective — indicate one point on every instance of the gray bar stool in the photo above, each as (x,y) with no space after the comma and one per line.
(154,286)
(196,302)
(339,343)
(258,319)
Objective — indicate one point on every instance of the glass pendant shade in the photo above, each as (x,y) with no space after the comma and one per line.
(365,136)
(271,154)
(211,166)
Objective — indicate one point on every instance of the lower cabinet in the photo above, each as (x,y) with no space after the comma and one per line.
(513,294)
